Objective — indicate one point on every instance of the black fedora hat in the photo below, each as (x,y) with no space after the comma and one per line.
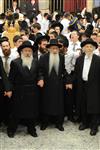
(89,41)
(65,42)
(54,42)
(25,44)
(57,24)
(42,37)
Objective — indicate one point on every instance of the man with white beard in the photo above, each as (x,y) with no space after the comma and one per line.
(23,76)
(52,79)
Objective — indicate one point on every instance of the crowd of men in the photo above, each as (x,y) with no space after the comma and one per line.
(49,69)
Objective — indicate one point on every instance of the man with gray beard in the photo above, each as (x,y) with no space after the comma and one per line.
(52,79)
(23,76)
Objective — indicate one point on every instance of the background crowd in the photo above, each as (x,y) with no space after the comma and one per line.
(69,29)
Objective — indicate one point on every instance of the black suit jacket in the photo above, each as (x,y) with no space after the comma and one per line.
(93,92)
(25,90)
(4,79)
(53,90)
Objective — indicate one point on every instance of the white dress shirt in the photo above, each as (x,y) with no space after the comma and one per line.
(97,52)
(86,67)
(65,22)
(74,45)
(39,54)
(10,58)
(44,25)
(39,17)
(14,52)
(0,51)
(70,60)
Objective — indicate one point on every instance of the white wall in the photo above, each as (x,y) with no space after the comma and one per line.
(44,5)
(1,6)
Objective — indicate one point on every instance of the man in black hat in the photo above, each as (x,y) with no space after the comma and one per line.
(58,27)
(87,75)
(23,76)
(39,50)
(52,79)
(40,46)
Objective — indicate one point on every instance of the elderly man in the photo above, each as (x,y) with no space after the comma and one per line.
(52,78)
(23,76)
(87,75)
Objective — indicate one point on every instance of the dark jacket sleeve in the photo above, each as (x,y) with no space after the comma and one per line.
(76,73)
(6,83)
(12,74)
(41,68)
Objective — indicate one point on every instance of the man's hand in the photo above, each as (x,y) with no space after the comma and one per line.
(9,94)
(40,83)
(69,86)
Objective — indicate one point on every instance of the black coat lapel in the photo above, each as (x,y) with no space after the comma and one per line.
(24,70)
(60,63)
(47,62)
(35,54)
(20,64)
(81,64)
(92,69)
(34,64)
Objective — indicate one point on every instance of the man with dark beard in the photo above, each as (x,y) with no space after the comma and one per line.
(40,44)
(7,56)
(23,76)
(53,78)
(40,49)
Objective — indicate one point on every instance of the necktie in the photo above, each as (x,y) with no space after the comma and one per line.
(74,47)
(6,66)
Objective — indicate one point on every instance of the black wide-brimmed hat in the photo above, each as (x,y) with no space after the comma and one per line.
(89,29)
(57,24)
(65,42)
(42,37)
(89,41)
(54,42)
(25,44)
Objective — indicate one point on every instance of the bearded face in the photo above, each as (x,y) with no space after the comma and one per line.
(54,62)
(27,57)
(6,48)
(42,46)
(54,59)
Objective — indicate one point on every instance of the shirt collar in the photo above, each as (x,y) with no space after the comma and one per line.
(76,43)
(89,57)
(39,53)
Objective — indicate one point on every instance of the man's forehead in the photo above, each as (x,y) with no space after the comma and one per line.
(89,45)
(54,46)
(27,49)
(5,43)
(19,40)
